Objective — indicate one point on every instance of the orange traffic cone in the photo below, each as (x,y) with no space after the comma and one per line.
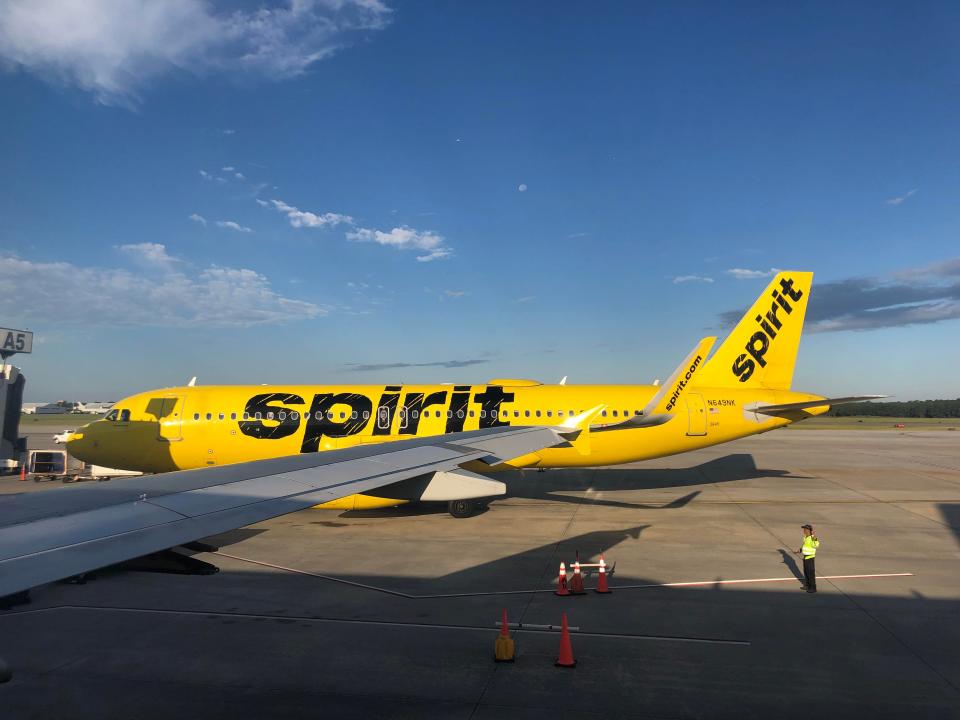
(576,582)
(503,649)
(562,581)
(602,586)
(23,472)
(565,658)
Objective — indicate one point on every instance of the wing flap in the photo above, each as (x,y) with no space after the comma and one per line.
(48,533)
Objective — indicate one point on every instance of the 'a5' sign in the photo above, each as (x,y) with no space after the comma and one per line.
(16,341)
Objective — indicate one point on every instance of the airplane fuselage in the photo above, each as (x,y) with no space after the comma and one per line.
(709,399)
(193,427)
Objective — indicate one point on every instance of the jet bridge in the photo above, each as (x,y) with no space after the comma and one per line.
(12,381)
(12,446)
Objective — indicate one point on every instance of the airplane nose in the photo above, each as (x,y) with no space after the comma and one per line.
(81,445)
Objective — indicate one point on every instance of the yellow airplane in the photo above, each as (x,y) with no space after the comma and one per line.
(742,389)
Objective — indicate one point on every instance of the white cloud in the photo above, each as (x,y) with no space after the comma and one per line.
(149,253)
(402,237)
(34,292)
(526,298)
(902,198)
(691,278)
(406,238)
(744,274)
(197,218)
(112,48)
(231,225)
(522,187)
(455,293)
(228,131)
(228,168)
(205,175)
(438,254)
(239,176)
(301,218)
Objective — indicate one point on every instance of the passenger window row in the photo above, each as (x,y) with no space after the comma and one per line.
(294,416)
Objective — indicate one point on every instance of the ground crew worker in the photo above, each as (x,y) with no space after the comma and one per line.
(809,551)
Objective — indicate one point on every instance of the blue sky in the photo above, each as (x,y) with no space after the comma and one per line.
(267,192)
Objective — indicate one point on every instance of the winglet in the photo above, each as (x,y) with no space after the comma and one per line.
(672,389)
(660,408)
(576,429)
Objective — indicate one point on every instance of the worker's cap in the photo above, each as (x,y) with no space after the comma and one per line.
(807,527)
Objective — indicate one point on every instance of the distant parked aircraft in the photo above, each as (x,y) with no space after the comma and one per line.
(62,407)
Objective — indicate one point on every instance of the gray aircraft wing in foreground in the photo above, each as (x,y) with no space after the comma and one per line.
(49,536)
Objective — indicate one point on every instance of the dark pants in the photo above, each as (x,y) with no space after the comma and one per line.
(810,574)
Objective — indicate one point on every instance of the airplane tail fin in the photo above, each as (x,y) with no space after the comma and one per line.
(762,349)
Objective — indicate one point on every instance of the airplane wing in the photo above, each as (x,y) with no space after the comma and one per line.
(48,536)
(792,407)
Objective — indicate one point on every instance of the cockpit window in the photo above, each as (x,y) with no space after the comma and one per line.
(124,416)
(112,415)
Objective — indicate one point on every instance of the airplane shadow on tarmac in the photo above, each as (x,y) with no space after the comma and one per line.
(537,562)
(951,517)
(554,485)
(860,638)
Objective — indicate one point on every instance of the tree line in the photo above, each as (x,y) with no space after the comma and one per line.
(908,409)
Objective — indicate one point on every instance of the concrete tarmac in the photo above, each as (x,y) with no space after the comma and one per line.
(391,613)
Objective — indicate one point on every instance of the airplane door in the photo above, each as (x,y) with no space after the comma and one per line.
(383,418)
(697,414)
(171,419)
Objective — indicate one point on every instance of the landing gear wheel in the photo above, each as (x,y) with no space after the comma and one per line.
(461,508)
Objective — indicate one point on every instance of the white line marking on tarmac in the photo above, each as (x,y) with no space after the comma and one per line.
(756,580)
(543,629)
(410,596)
(318,575)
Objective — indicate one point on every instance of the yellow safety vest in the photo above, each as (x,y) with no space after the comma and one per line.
(810,545)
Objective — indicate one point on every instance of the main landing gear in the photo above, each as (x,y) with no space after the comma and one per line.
(465,508)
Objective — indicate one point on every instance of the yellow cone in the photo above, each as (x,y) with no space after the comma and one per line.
(503,649)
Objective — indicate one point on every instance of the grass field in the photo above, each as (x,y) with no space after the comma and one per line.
(55,422)
(877,423)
